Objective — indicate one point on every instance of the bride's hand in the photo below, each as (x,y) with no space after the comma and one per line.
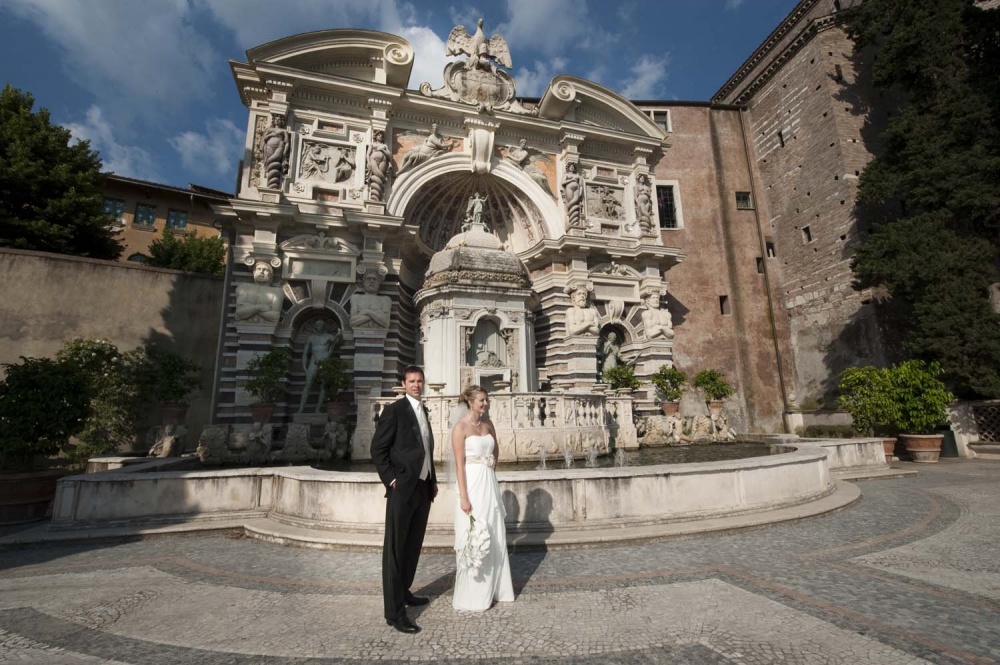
(466,506)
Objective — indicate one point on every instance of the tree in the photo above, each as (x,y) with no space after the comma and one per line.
(188,253)
(49,196)
(931,197)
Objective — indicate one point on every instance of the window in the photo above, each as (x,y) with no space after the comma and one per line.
(662,119)
(666,206)
(114,209)
(807,235)
(839,75)
(760,264)
(145,215)
(781,138)
(769,246)
(177,220)
(138,258)
(724,307)
(743,201)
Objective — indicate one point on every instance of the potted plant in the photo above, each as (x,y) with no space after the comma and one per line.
(331,372)
(173,377)
(867,394)
(670,383)
(921,408)
(267,381)
(622,378)
(43,403)
(713,384)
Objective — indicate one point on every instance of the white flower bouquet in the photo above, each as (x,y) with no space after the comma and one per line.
(474,546)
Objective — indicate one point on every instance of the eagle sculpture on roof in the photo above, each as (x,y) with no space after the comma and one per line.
(482,52)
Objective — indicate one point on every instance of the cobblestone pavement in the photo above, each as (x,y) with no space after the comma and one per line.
(909,574)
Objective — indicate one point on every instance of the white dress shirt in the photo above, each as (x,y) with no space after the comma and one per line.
(425,433)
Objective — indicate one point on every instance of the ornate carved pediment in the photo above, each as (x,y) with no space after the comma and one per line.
(320,242)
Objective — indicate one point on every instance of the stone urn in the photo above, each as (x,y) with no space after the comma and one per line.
(670,408)
(924,448)
(261,412)
(715,406)
(888,448)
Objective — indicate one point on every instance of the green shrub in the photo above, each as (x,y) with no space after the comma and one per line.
(921,397)
(173,377)
(867,393)
(622,376)
(826,432)
(43,403)
(713,384)
(331,372)
(267,375)
(670,383)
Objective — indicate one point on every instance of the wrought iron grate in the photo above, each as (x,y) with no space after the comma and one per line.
(988,422)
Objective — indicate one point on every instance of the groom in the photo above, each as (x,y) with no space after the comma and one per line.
(402,450)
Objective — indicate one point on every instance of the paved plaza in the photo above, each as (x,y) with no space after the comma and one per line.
(908,574)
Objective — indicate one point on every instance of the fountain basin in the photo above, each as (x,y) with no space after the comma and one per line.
(564,500)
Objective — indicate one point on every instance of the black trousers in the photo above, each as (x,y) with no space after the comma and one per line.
(405,524)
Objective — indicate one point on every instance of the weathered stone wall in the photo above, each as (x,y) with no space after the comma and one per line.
(52,298)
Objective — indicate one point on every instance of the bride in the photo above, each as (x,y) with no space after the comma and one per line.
(473,445)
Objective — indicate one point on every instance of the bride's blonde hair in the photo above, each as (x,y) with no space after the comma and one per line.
(470,392)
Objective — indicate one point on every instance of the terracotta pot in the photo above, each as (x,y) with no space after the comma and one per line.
(888,448)
(670,408)
(337,410)
(715,406)
(173,413)
(262,412)
(25,496)
(923,447)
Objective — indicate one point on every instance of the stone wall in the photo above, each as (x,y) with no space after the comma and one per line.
(52,298)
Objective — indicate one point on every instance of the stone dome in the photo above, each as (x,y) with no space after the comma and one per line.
(476,257)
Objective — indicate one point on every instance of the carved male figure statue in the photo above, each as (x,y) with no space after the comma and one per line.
(644,203)
(521,158)
(259,301)
(377,166)
(581,319)
(368,309)
(656,322)
(275,147)
(432,146)
(610,353)
(572,192)
(319,346)
(168,444)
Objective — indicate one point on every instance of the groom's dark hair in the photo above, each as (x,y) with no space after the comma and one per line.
(413,369)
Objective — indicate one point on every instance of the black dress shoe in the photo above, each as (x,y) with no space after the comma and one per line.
(404,625)
(414,601)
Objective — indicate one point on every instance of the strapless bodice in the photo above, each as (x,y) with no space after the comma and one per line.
(479,445)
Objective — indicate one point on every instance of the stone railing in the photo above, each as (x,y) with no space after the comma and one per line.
(527,422)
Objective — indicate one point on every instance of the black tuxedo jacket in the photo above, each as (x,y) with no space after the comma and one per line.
(398,449)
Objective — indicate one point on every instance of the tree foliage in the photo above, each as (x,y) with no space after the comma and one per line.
(189,253)
(931,197)
(49,196)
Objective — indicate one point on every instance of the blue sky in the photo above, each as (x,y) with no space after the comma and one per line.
(148,81)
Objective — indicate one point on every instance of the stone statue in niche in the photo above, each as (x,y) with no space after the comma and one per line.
(378,166)
(520,157)
(474,210)
(572,194)
(432,146)
(609,354)
(486,358)
(581,318)
(320,345)
(644,203)
(656,321)
(259,302)
(368,309)
(275,146)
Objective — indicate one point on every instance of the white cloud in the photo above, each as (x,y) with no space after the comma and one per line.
(129,54)
(215,152)
(733,4)
(126,160)
(549,26)
(466,16)
(532,82)
(647,76)
(429,58)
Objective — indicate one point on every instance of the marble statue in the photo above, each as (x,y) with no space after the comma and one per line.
(169,441)
(572,194)
(297,447)
(212,445)
(432,146)
(485,358)
(256,443)
(610,353)
(644,203)
(581,318)
(656,321)
(275,146)
(336,437)
(259,302)
(368,309)
(482,52)
(377,166)
(319,346)
(520,157)
(315,161)
(474,209)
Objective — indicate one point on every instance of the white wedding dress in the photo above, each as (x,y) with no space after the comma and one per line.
(476,591)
